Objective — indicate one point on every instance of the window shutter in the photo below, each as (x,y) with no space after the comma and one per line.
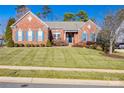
(84,36)
(32,35)
(16,35)
(42,36)
(22,35)
(91,36)
(37,36)
(26,35)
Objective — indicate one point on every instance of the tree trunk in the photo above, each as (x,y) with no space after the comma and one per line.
(110,48)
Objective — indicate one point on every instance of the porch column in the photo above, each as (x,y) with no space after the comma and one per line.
(65,36)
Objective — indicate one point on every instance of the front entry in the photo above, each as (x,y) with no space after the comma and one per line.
(69,36)
(70,39)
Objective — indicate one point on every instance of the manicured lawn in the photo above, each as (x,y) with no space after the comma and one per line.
(58,57)
(61,74)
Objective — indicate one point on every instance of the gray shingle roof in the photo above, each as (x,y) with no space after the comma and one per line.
(67,26)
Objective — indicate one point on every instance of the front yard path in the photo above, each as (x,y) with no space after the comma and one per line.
(60,69)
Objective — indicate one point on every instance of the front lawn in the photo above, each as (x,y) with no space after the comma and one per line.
(59,57)
(62,74)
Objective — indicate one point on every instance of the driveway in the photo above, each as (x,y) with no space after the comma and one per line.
(120,50)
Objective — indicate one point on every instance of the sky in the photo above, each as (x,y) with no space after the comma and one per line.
(98,12)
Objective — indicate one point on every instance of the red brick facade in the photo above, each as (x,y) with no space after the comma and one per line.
(32,22)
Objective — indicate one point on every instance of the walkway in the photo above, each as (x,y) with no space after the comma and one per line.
(60,69)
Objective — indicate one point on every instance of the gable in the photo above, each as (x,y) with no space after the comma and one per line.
(29,20)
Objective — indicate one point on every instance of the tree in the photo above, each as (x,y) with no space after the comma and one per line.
(38,14)
(111,28)
(69,17)
(46,11)
(8,33)
(21,10)
(82,16)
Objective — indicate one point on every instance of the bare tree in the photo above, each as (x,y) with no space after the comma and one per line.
(21,10)
(111,24)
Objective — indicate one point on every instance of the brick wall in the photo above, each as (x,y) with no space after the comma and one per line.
(34,24)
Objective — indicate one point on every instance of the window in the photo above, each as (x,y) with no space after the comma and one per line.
(29,35)
(40,35)
(56,35)
(92,36)
(19,35)
(84,36)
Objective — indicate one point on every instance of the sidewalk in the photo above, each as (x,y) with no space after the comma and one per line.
(60,69)
(60,81)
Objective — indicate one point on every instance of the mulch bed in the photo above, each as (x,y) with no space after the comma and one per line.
(114,56)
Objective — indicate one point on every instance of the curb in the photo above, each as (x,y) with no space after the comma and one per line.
(60,81)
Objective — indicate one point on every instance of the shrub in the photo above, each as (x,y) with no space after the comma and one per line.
(78,45)
(59,43)
(48,44)
(42,45)
(16,45)
(28,45)
(37,45)
(21,45)
(93,46)
(10,43)
(32,45)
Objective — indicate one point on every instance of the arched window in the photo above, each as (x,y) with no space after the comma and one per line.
(84,36)
(92,36)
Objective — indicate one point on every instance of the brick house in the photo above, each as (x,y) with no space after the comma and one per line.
(29,29)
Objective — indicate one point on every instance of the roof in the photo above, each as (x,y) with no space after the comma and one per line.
(65,25)
(27,14)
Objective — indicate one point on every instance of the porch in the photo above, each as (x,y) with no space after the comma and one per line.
(71,37)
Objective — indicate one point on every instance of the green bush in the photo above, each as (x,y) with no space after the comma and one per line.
(21,45)
(10,43)
(28,45)
(32,45)
(48,44)
(93,46)
(42,45)
(16,45)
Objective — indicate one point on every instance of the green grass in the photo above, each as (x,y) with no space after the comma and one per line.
(58,57)
(61,74)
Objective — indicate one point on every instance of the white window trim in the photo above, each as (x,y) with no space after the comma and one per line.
(40,35)
(20,35)
(29,35)
(56,33)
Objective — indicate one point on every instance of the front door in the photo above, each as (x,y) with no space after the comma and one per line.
(70,39)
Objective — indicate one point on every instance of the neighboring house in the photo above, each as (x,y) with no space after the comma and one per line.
(120,36)
(29,29)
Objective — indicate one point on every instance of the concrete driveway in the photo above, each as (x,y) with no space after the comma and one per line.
(120,50)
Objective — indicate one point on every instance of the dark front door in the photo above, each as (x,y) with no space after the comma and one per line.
(70,39)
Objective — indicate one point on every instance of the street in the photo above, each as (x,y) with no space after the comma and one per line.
(23,85)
